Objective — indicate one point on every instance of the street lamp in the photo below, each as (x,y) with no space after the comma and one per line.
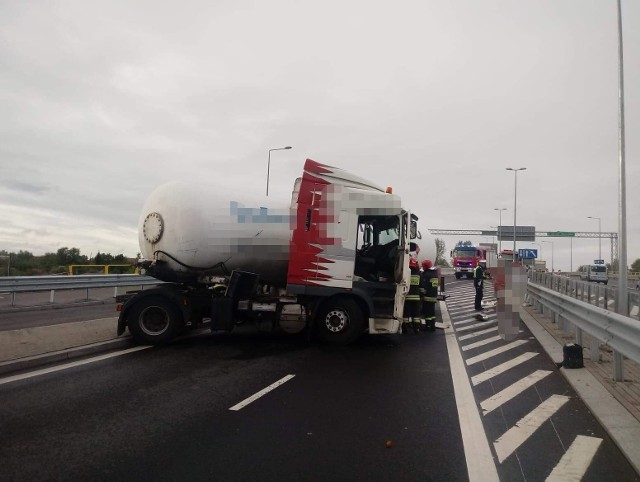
(599,237)
(500,227)
(515,199)
(551,243)
(269,163)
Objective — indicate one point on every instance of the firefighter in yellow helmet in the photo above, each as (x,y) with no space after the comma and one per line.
(429,284)
(411,317)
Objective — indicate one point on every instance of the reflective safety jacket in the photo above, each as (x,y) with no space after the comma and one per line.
(429,284)
(414,289)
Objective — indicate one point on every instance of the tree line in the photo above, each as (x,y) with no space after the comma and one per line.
(25,263)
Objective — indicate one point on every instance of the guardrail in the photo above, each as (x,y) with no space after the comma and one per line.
(23,284)
(576,303)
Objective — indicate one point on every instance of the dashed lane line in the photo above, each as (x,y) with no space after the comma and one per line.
(264,391)
(526,426)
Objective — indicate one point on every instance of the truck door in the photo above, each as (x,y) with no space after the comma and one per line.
(402,273)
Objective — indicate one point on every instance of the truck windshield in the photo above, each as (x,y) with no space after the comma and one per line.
(464,252)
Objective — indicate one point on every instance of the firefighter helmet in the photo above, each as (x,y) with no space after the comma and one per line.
(413,263)
(427,264)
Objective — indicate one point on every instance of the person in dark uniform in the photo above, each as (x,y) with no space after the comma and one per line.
(478,283)
(429,284)
(411,316)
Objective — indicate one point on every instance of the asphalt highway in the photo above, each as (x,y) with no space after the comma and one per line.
(256,406)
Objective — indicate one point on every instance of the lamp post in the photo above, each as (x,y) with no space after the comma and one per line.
(515,200)
(599,236)
(551,243)
(269,163)
(500,227)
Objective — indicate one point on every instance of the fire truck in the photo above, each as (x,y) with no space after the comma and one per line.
(466,257)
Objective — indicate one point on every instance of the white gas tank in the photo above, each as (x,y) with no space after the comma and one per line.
(195,228)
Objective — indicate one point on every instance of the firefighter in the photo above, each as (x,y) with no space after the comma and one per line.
(478,283)
(412,310)
(429,284)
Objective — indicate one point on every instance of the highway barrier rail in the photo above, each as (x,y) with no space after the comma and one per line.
(23,284)
(587,308)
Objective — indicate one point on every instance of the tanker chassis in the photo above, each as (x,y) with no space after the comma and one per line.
(335,262)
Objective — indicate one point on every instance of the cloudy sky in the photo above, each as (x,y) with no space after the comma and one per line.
(103,101)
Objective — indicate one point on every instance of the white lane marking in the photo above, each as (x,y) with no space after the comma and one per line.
(262,392)
(503,367)
(576,460)
(465,322)
(497,351)
(480,464)
(480,343)
(478,333)
(502,397)
(526,426)
(477,325)
(44,371)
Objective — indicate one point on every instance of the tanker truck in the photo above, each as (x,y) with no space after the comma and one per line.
(333,261)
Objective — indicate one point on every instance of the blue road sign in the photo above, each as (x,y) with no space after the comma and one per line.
(527,253)
(598,261)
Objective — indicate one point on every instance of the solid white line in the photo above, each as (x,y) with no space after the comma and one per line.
(477,333)
(526,426)
(502,397)
(576,460)
(480,464)
(262,392)
(497,351)
(503,367)
(480,343)
(78,363)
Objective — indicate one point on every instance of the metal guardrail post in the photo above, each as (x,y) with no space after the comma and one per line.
(594,348)
(51,295)
(618,367)
(13,299)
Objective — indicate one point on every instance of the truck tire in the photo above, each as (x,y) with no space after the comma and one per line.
(154,321)
(339,321)
(458,276)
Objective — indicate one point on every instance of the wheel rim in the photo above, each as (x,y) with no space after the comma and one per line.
(336,321)
(154,320)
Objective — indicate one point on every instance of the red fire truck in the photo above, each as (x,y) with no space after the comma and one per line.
(466,257)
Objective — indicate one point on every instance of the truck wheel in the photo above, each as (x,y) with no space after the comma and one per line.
(154,321)
(340,321)
(458,276)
